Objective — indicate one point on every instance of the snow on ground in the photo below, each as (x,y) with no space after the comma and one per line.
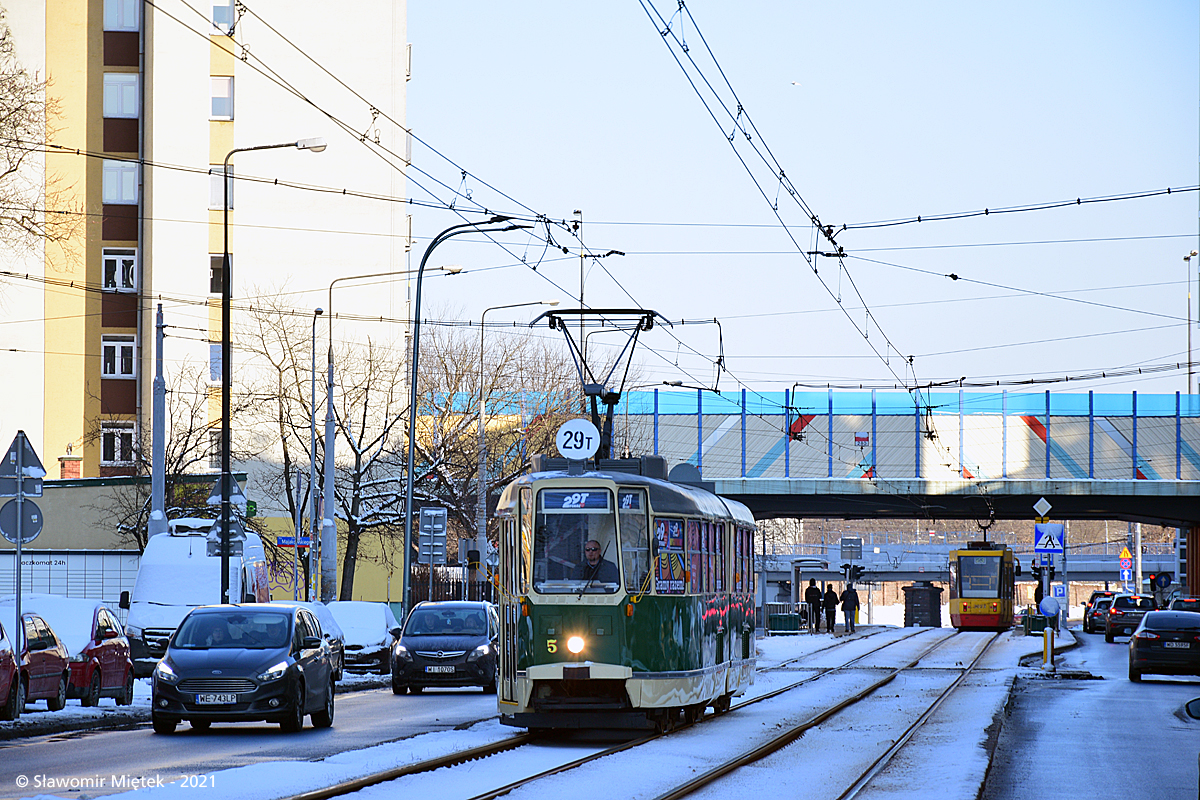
(946,758)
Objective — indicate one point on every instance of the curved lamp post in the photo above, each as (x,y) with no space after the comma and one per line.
(452,231)
(326,568)
(481,505)
(316,146)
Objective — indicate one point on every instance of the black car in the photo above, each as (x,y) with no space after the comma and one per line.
(241,663)
(1125,613)
(1089,607)
(450,643)
(1166,642)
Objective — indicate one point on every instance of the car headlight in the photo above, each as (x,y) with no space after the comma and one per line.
(274,673)
(479,652)
(164,673)
(401,652)
(133,631)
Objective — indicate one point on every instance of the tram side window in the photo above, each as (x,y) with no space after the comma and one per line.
(635,538)
(695,559)
(722,565)
(566,523)
(526,542)
(979,576)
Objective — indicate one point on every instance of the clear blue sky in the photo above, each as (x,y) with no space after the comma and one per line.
(876,111)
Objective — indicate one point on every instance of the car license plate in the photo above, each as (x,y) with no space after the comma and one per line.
(215,699)
(1177,644)
(440,669)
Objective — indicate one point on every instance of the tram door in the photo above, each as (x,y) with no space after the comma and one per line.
(511,562)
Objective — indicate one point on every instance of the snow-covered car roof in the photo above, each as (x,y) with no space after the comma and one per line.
(71,618)
(364,622)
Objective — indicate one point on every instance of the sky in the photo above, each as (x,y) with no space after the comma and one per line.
(874,112)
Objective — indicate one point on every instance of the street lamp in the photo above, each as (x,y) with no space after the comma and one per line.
(1188,261)
(316,146)
(328,532)
(453,230)
(481,505)
(312,469)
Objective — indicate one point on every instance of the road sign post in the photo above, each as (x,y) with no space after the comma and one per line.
(25,469)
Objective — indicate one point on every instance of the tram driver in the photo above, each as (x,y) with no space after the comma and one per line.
(594,566)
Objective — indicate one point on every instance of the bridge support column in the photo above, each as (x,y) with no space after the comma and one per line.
(1192,560)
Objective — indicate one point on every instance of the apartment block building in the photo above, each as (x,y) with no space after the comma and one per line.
(153,99)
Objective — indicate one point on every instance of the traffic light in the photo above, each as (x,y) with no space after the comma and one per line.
(856,572)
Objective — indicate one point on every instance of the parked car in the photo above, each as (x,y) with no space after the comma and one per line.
(330,630)
(44,671)
(1165,642)
(370,629)
(12,697)
(244,663)
(97,650)
(1125,613)
(450,643)
(1088,627)
(1095,618)
(1185,604)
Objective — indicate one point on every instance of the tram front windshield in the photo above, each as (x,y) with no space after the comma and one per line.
(978,576)
(575,542)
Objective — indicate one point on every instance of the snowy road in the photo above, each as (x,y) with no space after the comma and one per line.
(948,757)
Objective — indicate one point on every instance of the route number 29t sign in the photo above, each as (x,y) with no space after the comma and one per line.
(577,440)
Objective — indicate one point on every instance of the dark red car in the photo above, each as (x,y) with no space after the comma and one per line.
(11,698)
(44,673)
(97,650)
(1125,614)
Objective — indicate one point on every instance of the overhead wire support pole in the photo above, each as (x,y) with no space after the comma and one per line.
(452,231)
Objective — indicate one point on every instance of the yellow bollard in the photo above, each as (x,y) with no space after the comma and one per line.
(1048,649)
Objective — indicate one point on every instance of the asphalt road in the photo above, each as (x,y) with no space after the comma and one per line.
(361,719)
(1097,739)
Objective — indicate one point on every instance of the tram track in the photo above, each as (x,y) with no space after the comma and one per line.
(520,740)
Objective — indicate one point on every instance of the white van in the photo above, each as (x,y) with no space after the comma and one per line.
(181,569)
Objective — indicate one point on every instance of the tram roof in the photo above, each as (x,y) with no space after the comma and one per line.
(665,497)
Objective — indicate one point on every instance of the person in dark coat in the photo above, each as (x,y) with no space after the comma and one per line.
(849,606)
(831,604)
(812,596)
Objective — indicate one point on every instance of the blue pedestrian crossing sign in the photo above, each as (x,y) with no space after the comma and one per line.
(1048,537)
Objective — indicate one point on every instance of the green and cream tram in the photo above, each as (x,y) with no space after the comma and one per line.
(627,601)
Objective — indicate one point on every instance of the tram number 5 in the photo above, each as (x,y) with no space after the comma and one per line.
(552,645)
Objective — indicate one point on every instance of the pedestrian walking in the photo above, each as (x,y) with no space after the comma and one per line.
(812,596)
(849,606)
(831,604)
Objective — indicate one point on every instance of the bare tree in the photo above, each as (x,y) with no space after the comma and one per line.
(189,452)
(34,204)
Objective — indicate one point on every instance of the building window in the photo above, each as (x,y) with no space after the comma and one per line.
(121,95)
(117,360)
(222,15)
(120,182)
(216,269)
(222,98)
(216,192)
(121,15)
(214,363)
(214,449)
(120,270)
(116,443)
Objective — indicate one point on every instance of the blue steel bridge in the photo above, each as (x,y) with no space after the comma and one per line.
(933,455)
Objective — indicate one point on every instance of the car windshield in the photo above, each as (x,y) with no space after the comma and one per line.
(257,630)
(447,622)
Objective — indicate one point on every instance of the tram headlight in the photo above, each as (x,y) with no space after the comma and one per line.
(575,644)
